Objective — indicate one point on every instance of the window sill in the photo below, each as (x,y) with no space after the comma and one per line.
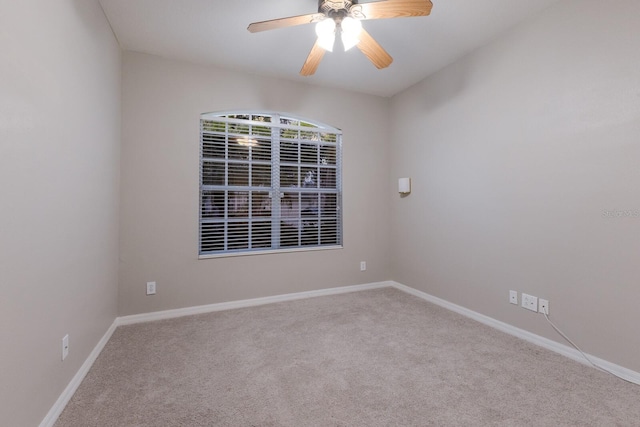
(270,252)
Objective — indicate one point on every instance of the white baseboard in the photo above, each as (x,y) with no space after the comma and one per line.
(200,309)
(562,349)
(55,411)
(554,346)
(53,414)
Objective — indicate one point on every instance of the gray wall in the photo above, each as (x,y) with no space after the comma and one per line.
(516,152)
(59,166)
(162,103)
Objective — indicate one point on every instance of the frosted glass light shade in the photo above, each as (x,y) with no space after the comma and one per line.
(326,32)
(350,33)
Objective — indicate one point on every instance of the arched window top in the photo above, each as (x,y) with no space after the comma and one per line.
(273,118)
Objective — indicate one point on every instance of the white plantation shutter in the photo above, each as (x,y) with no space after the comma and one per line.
(268,182)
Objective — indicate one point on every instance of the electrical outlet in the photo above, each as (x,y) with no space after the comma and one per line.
(543,306)
(65,346)
(530,302)
(513,297)
(363,265)
(151,288)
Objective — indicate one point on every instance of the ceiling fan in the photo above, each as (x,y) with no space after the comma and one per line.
(344,17)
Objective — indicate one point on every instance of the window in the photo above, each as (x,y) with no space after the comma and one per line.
(268,183)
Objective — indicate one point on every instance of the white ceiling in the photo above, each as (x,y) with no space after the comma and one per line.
(215,32)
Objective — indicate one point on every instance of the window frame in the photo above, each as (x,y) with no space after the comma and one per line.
(278,123)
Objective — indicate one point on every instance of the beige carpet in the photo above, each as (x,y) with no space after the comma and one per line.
(372,358)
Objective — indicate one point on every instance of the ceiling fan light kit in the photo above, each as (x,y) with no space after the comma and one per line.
(345,16)
(349,29)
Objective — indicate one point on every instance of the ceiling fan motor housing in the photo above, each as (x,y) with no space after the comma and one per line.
(332,8)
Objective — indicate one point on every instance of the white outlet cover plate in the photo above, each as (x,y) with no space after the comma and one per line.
(541,304)
(513,297)
(530,302)
(65,346)
(151,288)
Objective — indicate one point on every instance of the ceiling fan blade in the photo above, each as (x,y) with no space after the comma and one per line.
(394,9)
(373,51)
(284,22)
(313,60)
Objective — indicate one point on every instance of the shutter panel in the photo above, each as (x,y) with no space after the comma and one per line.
(268,183)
